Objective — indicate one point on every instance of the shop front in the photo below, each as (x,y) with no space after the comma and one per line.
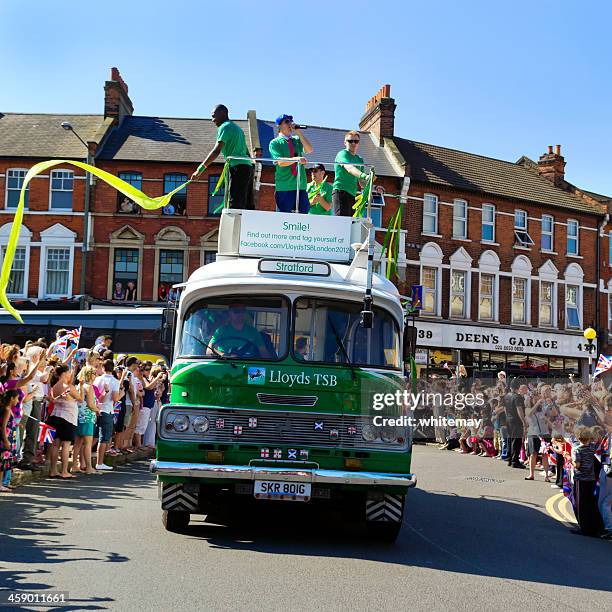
(485,351)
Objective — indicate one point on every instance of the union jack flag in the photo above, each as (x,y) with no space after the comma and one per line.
(278,453)
(568,484)
(603,365)
(73,335)
(603,449)
(351,430)
(252,422)
(116,412)
(46,434)
(220,423)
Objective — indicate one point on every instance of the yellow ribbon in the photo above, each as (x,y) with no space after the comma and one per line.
(130,191)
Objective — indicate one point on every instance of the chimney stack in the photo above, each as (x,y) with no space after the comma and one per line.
(551,166)
(117,103)
(379,116)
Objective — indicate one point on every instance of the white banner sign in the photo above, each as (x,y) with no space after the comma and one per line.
(278,234)
(442,335)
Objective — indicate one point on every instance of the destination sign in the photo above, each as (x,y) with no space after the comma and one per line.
(294,266)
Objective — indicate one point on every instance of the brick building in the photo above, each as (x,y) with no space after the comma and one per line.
(515,261)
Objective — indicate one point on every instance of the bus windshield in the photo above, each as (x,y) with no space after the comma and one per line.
(328,331)
(238,327)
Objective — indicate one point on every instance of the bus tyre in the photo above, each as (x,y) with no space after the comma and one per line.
(175,520)
(384,515)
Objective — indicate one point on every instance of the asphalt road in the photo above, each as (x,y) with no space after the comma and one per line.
(476,536)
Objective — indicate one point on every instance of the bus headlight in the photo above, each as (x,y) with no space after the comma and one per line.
(200,424)
(181,423)
(388,434)
(369,433)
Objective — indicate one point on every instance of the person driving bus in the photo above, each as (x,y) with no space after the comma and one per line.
(237,338)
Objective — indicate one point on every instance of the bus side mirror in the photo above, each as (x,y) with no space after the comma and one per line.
(168,322)
(410,338)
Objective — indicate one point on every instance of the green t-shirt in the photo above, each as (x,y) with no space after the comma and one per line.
(234,143)
(284,178)
(326,192)
(345,181)
(227,338)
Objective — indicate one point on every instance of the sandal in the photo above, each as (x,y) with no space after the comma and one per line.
(4,489)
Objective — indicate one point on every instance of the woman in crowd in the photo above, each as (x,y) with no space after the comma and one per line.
(88,413)
(8,435)
(64,418)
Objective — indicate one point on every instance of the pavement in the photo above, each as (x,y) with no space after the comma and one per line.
(475,536)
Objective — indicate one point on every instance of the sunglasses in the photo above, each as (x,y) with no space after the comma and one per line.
(353,141)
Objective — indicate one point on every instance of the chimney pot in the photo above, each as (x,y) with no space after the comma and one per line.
(550,149)
(558,149)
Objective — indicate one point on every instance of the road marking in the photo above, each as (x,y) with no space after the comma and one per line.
(559,508)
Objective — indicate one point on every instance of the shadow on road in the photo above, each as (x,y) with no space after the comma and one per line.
(27,539)
(481,536)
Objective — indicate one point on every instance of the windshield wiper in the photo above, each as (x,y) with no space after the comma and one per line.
(215,352)
(342,348)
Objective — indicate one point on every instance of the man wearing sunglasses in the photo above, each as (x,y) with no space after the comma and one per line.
(237,338)
(347,177)
(289,174)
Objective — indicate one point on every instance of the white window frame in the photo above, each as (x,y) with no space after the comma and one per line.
(438,277)
(25,236)
(526,240)
(51,190)
(488,223)
(6,189)
(493,276)
(578,305)
(55,237)
(550,233)
(521,268)
(489,263)
(552,303)
(430,214)
(576,237)
(460,218)
(466,311)
(460,261)
(549,273)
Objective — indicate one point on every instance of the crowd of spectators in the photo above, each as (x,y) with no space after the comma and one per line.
(74,407)
(561,429)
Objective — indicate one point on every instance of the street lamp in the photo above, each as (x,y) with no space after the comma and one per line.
(88,182)
(590,334)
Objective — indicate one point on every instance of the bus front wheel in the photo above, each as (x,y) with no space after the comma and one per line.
(175,520)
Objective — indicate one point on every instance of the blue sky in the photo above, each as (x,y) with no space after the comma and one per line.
(501,79)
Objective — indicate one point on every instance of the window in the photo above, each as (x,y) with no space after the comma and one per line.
(520,228)
(519,300)
(263,323)
(62,184)
(547,289)
(215,202)
(572,313)
(572,237)
(458,293)
(178,204)
(125,274)
(488,222)
(460,210)
(610,249)
(14,182)
(16,285)
(378,201)
(430,290)
(57,272)
(124,204)
(486,309)
(547,241)
(328,331)
(171,269)
(430,214)
(210,257)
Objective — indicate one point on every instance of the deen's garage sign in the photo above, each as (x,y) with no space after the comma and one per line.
(498,339)
(320,237)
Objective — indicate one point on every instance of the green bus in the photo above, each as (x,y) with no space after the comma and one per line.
(276,360)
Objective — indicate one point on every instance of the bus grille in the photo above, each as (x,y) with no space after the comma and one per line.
(267,428)
(287,400)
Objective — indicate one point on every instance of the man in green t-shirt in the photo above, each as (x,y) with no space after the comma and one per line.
(347,176)
(232,143)
(237,338)
(290,176)
(319,192)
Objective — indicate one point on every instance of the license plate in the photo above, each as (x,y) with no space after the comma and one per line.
(286,491)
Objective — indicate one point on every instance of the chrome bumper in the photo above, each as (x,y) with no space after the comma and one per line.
(297,474)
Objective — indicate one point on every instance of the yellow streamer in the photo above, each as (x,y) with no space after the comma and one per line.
(130,191)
